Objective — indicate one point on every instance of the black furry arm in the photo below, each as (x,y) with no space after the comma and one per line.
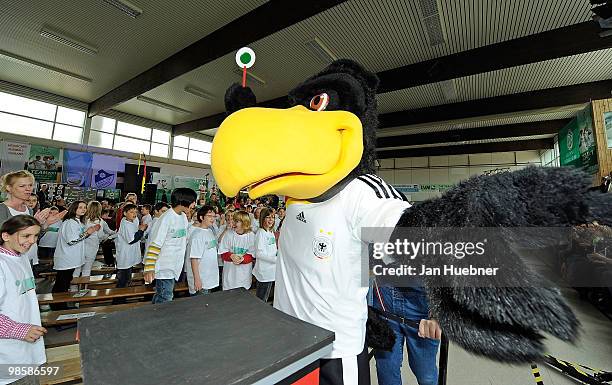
(503,317)
(534,196)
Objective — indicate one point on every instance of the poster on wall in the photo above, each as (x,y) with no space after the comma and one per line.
(74,193)
(199,185)
(114,194)
(77,168)
(104,171)
(577,143)
(608,126)
(165,185)
(14,156)
(43,163)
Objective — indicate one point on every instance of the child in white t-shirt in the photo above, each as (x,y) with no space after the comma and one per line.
(265,254)
(70,248)
(127,244)
(158,210)
(237,248)
(165,254)
(145,212)
(201,257)
(21,341)
(47,243)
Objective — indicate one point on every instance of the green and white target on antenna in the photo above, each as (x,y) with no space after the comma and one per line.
(245,57)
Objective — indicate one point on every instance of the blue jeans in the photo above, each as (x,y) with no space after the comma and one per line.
(410,304)
(164,290)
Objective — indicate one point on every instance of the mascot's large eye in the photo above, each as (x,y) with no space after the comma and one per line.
(319,102)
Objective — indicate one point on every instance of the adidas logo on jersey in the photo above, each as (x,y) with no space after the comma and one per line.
(300,217)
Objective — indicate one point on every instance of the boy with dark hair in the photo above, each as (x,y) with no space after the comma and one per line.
(165,253)
(127,244)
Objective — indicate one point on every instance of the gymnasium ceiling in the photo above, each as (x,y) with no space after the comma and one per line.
(499,71)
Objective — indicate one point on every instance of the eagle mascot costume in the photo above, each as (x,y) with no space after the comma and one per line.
(320,154)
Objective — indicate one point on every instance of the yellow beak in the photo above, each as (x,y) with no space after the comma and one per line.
(294,152)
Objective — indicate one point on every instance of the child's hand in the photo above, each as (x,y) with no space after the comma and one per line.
(143,227)
(237,259)
(197,282)
(93,229)
(35,333)
(149,276)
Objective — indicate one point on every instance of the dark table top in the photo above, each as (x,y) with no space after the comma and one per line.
(228,337)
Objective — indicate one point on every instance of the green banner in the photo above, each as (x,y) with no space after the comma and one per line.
(577,143)
(196,184)
(43,163)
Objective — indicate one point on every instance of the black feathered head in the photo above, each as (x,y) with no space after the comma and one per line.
(327,135)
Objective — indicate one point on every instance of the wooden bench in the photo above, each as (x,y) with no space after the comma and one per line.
(104,295)
(83,282)
(50,318)
(68,359)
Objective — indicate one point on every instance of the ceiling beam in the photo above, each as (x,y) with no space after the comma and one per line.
(546,127)
(478,148)
(562,42)
(524,101)
(213,121)
(263,21)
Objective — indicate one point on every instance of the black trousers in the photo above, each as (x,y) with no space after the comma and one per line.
(107,251)
(331,370)
(61,285)
(124,276)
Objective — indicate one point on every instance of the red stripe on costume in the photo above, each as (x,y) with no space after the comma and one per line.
(311,378)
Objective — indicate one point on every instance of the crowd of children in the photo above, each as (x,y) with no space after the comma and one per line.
(212,247)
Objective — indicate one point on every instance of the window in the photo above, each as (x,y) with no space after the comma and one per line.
(160,136)
(134,145)
(66,133)
(100,139)
(122,136)
(100,123)
(179,153)
(160,150)
(27,107)
(191,149)
(28,117)
(69,116)
(25,126)
(133,130)
(199,157)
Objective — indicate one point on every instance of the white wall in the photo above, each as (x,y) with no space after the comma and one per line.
(177,169)
(450,169)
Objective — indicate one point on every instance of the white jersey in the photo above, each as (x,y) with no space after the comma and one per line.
(265,254)
(202,245)
(235,276)
(254,224)
(92,242)
(146,220)
(69,256)
(170,233)
(319,268)
(127,255)
(18,302)
(49,238)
